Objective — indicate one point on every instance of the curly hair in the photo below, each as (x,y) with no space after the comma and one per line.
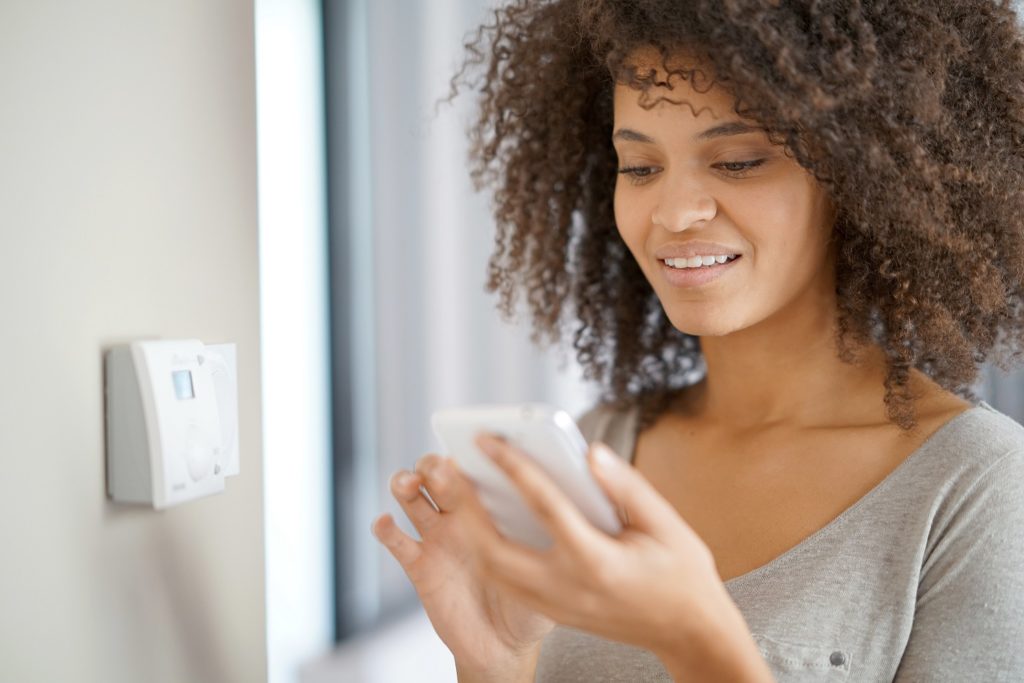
(910,114)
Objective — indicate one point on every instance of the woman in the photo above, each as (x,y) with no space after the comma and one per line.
(813,489)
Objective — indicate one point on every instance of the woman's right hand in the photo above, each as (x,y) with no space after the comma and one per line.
(491,636)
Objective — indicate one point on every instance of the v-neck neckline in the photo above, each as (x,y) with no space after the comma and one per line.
(861,502)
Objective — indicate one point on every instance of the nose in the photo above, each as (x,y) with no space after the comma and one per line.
(681,205)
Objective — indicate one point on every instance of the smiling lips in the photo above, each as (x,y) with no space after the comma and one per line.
(694,248)
(696,276)
(699,261)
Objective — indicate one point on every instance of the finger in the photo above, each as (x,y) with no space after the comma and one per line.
(554,509)
(405,487)
(644,507)
(402,547)
(528,576)
(484,540)
(438,479)
(525,570)
(462,494)
(514,565)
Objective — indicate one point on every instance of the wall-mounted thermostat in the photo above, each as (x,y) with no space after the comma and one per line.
(172,420)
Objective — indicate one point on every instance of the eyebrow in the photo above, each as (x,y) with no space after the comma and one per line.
(731,128)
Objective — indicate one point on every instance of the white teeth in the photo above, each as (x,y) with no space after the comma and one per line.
(699,261)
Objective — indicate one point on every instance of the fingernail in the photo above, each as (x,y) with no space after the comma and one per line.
(403,479)
(604,457)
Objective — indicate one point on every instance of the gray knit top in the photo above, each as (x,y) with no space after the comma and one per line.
(920,580)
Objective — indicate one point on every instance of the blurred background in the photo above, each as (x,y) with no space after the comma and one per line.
(373,259)
(270,173)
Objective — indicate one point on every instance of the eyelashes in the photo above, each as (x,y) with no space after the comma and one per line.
(638,175)
(740,167)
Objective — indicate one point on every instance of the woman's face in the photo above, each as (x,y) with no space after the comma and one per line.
(691,174)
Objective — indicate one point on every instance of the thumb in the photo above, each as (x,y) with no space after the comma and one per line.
(644,507)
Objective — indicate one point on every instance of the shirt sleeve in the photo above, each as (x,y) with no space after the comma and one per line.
(969,617)
(590,422)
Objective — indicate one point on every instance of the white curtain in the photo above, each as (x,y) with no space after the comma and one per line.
(433,336)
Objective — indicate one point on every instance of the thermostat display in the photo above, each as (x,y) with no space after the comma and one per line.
(183,384)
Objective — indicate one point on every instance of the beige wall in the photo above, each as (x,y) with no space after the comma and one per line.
(127,211)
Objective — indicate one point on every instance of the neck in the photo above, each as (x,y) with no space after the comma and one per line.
(785,372)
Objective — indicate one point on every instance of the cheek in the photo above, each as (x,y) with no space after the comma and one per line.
(786,225)
(629,219)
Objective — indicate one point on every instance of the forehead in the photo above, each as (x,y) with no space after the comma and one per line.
(695,94)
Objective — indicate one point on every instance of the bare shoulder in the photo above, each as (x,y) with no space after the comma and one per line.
(935,404)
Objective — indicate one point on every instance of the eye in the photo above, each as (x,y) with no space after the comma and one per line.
(739,168)
(637,175)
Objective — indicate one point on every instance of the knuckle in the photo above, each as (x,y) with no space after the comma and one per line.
(457,481)
(429,464)
(396,542)
(603,574)
(392,540)
(518,469)
(544,508)
(403,490)
(423,460)
(592,603)
(396,480)
(440,485)
(484,563)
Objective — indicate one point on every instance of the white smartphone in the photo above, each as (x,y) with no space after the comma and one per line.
(549,436)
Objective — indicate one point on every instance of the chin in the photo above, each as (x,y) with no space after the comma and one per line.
(702,328)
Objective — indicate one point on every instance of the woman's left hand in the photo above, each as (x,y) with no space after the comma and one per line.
(654,585)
